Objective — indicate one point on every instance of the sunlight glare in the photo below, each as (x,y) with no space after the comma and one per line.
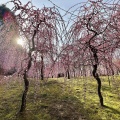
(20,42)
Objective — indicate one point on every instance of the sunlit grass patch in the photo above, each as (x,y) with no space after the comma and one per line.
(86,92)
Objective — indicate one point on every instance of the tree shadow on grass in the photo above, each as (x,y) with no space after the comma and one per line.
(65,110)
(113,109)
(58,103)
(63,105)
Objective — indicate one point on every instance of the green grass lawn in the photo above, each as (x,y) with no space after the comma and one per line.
(85,89)
(59,99)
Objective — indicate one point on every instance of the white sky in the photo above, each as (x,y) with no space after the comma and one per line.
(65,4)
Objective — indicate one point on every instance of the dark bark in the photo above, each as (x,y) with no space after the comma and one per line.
(42,67)
(26,85)
(95,56)
(96,76)
(68,74)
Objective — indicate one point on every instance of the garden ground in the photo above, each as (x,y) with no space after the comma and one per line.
(61,99)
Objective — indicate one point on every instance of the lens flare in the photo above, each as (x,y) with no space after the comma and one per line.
(20,42)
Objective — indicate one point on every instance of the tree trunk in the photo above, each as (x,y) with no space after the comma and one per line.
(96,76)
(42,67)
(26,83)
(68,74)
(25,74)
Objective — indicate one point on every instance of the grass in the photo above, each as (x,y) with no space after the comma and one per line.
(85,89)
(45,101)
(60,99)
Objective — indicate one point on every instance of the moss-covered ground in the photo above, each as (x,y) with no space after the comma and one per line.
(59,99)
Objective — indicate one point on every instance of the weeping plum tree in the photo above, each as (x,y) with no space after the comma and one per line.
(29,28)
(91,30)
(38,28)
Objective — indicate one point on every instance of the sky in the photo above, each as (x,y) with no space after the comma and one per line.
(64,4)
